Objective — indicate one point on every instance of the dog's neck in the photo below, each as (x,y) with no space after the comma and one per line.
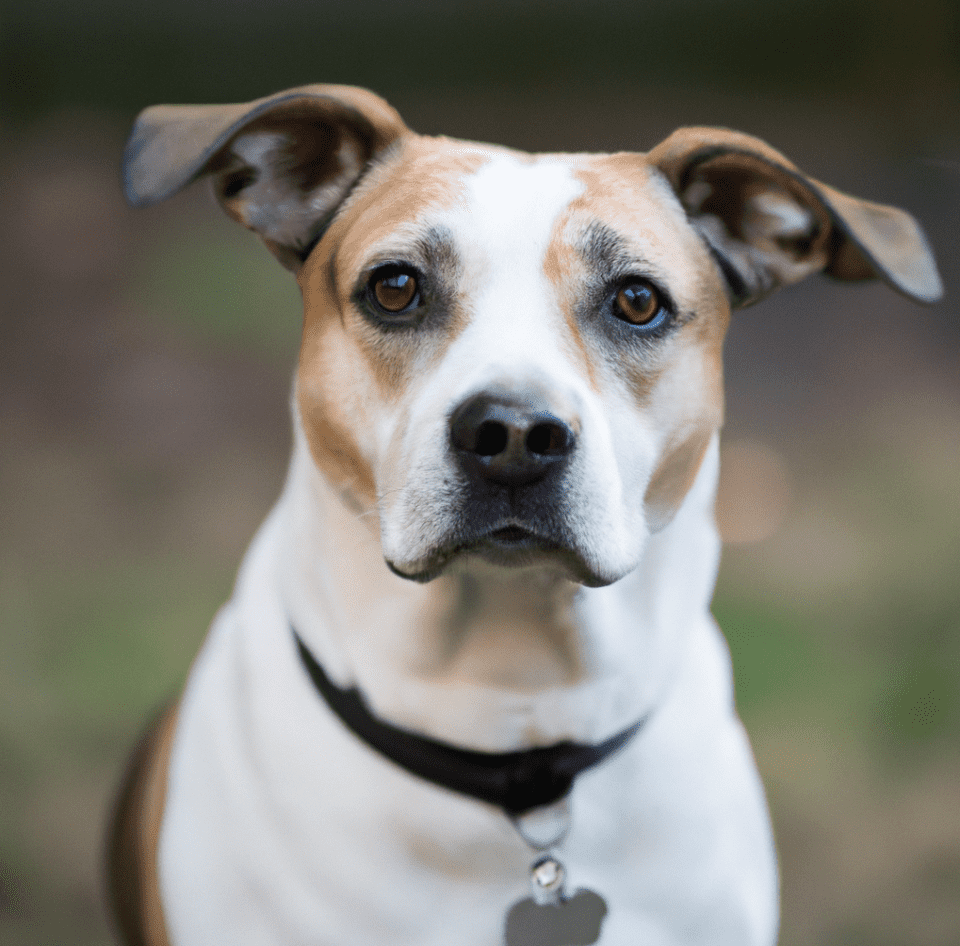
(487,657)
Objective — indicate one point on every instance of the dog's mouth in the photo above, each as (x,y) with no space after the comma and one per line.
(511,537)
(513,545)
(509,545)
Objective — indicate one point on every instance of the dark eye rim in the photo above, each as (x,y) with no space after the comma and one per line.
(385,271)
(660,321)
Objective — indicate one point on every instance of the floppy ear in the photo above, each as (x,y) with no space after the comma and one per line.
(281,165)
(769,225)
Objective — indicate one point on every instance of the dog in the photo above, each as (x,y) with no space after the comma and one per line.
(468,689)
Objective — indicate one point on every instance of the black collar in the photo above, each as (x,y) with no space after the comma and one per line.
(515,781)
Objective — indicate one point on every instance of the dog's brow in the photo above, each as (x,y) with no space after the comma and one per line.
(610,257)
(605,251)
(433,249)
(439,251)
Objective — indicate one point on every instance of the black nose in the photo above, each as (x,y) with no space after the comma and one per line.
(509,440)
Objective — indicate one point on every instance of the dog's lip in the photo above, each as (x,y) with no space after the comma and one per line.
(504,541)
(510,535)
(508,543)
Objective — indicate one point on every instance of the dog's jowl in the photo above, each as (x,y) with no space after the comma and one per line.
(468,690)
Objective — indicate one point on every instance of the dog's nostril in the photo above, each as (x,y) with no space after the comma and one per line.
(492,439)
(547,439)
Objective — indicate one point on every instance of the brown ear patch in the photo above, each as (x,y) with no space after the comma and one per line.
(285,175)
(172,144)
(281,164)
(768,225)
(885,239)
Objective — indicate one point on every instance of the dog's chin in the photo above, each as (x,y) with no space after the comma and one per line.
(509,546)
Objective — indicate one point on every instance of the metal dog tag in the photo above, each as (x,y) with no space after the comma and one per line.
(550,917)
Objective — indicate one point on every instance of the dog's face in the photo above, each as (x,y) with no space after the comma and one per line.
(511,356)
(506,355)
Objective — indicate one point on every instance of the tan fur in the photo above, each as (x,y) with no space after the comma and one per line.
(692,411)
(421,173)
(132,856)
(562,267)
(340,354)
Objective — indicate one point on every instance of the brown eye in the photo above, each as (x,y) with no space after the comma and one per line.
(394,290)
(638,303)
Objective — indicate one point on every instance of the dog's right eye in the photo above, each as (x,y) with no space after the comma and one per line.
(394,289)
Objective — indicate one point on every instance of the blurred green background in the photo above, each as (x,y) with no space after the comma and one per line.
(144,373)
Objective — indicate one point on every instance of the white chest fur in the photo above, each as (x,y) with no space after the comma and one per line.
(282,828)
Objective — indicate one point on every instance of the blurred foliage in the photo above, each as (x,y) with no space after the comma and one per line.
(220,283)
(124,55)
(774,657)
(919,703)
(903,700)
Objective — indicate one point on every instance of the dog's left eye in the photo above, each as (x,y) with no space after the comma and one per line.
(639,303)
(394,289)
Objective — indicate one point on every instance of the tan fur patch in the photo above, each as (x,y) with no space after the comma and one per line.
(338,396)
(680,384)
(133,868)
(673,478)
(632,200)
(564,269)
(690,393)
(326,389)
(420,173)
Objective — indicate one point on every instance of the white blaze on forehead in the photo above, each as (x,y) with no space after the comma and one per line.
(502,232)
(513,202)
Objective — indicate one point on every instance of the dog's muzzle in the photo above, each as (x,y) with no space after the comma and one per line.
(513,452)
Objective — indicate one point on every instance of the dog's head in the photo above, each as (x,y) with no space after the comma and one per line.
(509,355)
